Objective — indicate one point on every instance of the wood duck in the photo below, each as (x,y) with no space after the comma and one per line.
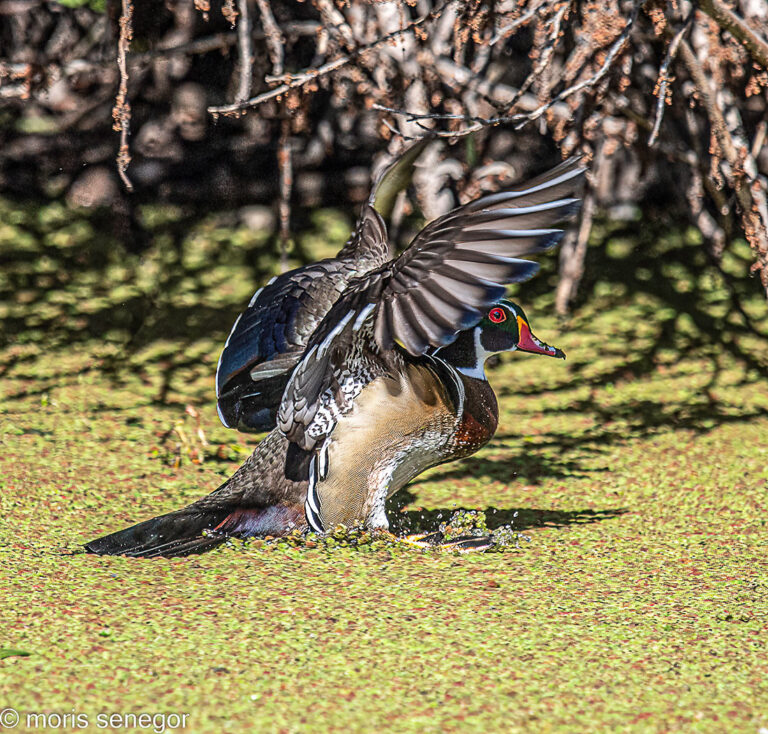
(391,382)
(268,338)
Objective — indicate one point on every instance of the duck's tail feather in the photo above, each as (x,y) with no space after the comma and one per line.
(164,535)
(192,530)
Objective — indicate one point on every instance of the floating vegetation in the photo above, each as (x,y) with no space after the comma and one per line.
(473,523)
(462,526)
(638,470)
(465,522)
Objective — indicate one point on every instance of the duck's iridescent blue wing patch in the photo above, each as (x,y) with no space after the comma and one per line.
(269,337)
(264,330)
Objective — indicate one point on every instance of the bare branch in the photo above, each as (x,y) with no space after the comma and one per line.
(759,140)
(244,51)
(309,75)
(506,31)
(663,79)
(275,40)
(729,21)
(572,255)
(298,80)
(285,165)
(121,113)
(479,122)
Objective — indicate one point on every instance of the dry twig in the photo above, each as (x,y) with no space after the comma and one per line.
(285,165)
(274,38)
(310,75)
(244,51)
(663,78)
(121,113)
(572,255)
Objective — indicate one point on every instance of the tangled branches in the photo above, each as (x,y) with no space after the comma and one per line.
(658,94)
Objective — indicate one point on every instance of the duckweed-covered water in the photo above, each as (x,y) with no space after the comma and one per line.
(637,469)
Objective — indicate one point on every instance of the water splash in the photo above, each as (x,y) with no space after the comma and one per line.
(474,523)
(462,524)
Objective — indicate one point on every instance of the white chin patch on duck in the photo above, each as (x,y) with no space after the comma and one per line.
(477,370)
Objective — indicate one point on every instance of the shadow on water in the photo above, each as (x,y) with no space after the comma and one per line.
(519,519)
(532,464)
(637,418)
(566,455)
(68,283)
(704,300)
(68,279)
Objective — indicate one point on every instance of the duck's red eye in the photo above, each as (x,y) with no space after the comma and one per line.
(497,315)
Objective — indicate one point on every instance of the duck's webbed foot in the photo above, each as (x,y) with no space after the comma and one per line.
(461,543)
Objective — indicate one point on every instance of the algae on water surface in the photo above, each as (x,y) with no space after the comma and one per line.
(637,469)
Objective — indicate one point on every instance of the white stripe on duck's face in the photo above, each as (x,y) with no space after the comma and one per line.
(477,369)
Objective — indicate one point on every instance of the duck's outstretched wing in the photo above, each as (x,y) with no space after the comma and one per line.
(269,337)
(268,340)
(452,272)
(459,264)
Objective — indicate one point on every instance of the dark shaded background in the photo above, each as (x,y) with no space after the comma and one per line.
(74,235)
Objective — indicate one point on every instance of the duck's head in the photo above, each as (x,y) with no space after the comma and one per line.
(505,328)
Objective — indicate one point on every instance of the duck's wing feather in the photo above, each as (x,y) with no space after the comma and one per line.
(396,177)
(278,321)
(452,272)
(269,337)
